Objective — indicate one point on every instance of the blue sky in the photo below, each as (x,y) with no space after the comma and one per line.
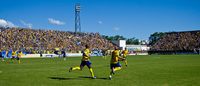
(129,18)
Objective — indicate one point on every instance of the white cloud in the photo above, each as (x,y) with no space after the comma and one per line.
(116,28)
(29,25)
(55,22)
(5,23)
(100,22)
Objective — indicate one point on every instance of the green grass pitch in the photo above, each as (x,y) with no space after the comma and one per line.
(152,70)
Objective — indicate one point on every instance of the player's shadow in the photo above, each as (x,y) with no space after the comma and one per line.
(78,78)
(62,78)
(91,77)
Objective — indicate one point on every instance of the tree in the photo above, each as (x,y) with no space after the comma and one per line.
(118,37)
(155,37)
(106,37)
(132,41)
(114,38)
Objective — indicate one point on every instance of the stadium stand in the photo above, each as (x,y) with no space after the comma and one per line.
(32,40)
(187,42)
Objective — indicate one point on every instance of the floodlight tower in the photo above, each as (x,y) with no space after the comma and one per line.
(77,18)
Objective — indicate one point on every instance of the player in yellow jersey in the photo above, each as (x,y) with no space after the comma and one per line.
(85,61)
(13,55)
(125,52)
(114,62)
(19,55)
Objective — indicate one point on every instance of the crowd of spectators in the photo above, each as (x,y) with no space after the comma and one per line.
(32,39)
(178,41)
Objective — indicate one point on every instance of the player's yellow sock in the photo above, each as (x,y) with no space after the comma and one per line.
(117,68)
(91,72)
(19,61)
(76,68)
(126,63)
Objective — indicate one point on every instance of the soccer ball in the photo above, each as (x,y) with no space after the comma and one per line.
(110,77)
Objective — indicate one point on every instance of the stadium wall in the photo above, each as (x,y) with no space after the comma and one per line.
(178,52)
(50,55)
(138,54)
